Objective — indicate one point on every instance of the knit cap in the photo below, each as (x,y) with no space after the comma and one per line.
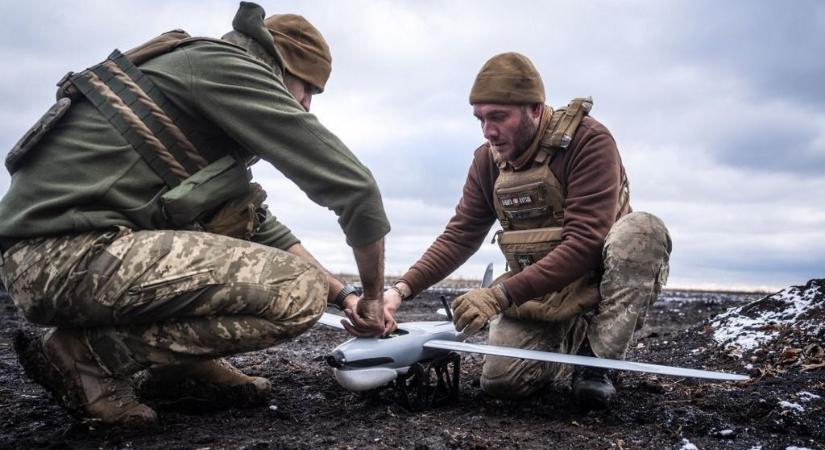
(509,78)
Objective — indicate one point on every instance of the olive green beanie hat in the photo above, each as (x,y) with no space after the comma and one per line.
(304,51)
(508,78)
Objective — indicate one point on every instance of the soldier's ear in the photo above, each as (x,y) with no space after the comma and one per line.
(535,110)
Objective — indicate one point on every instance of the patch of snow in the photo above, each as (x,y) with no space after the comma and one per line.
(687,445)
(756,447)
(748,366)
(793,447)
(726,433)
(806,396)
(735,330)
(792,406)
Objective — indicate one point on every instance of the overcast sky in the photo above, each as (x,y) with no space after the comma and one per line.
(718,109)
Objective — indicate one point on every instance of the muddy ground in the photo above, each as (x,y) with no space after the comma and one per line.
(308,410)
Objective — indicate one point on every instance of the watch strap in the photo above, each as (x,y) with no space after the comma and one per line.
(338,301)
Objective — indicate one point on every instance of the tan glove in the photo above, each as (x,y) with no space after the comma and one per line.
(240,217)
(473,309)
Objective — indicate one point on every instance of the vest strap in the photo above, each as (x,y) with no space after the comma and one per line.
(129,125)
(143,115)
(565,121)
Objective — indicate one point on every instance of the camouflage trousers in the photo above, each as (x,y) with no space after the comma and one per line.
(153,298)
(635,256)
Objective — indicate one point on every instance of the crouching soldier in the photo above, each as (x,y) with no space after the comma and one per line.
(133,230)
(583,267)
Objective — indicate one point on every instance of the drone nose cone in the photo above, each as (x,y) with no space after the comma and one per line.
(336,359)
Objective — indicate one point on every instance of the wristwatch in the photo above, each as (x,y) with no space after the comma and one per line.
(338,301)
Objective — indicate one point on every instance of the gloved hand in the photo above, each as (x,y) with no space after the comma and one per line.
(473,309)
(239,218)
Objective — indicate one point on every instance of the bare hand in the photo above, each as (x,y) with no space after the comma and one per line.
(367,319)
(391,303)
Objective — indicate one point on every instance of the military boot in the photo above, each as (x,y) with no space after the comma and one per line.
(592,387)
(62,362)
(212,384)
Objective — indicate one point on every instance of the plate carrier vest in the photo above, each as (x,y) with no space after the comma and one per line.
(529,205)
(156,129)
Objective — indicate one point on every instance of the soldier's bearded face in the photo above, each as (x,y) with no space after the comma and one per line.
(508,128)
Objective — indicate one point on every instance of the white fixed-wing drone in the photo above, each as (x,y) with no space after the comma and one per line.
(362,364)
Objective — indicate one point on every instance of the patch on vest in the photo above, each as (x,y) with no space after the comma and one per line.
(526,203)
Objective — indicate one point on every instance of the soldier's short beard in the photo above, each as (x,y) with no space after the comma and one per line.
(524,135)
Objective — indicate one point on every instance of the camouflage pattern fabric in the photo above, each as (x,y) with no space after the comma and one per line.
(518,378)
(636,263)
(152,298)
(636,258)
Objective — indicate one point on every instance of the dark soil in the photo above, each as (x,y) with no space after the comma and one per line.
(308,410)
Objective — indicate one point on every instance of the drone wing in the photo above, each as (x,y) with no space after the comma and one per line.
(581,360)
(332,320)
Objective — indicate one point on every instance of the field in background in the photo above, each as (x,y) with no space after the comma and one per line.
(453,285)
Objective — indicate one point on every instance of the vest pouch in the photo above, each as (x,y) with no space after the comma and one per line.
(524,247)
(576,298)
(205,191)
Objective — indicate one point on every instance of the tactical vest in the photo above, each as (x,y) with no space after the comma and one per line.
(529,205)
(161,133)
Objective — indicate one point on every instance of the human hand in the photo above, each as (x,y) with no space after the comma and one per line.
(473,309)
(367,318)
(350,302)
(392,301)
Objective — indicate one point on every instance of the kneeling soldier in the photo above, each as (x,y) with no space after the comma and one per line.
(132,227)
(583,267)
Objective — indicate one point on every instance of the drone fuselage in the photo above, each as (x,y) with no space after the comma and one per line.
(361,364)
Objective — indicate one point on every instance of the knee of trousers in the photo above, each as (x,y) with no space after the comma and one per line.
(316,295)
(302,305)
(503,377)
(638,239)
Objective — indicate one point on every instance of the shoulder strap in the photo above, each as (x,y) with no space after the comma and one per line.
(566,120)
(162,134)
(153,125)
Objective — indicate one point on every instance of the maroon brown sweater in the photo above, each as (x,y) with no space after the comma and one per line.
(590,172)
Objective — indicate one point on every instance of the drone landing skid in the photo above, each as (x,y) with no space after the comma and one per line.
(429,383)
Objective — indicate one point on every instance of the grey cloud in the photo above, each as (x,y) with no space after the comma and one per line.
(775,47)
(431,170)
(767,147)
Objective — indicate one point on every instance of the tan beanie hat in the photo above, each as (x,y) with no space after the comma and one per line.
(304,51)
(508,78)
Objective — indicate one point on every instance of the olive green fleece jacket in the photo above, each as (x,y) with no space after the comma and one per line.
(84,176)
